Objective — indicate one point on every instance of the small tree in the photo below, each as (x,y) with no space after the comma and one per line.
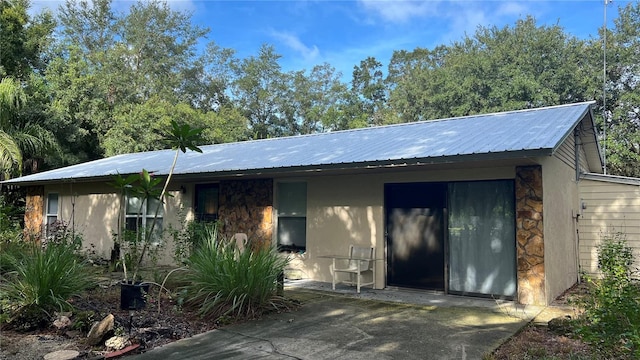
(180,138)
(145,187)
(122,185)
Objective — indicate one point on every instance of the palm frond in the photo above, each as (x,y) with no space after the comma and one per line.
(12,98)
(10,156)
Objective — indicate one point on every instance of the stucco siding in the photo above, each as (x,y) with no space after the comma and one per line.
(91,210)
(349,209)
(560,203)
(609,208)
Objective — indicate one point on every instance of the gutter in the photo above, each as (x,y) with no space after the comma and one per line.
(455,159)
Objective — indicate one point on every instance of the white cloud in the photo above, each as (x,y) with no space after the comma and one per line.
(38,6)
(516,8)
(294,43)
(182,5)
(400,10)
(464,20)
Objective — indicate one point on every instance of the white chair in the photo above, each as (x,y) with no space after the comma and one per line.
(240,241)
(360,261)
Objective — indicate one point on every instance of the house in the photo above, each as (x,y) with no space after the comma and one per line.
(484,205)
(609,207)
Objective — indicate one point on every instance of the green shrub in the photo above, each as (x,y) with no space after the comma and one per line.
(223,282)
(612,311)
(188,237)
(42,282)
(11,242)
(11,253)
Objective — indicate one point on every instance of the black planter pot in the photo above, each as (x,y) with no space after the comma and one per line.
(133,296)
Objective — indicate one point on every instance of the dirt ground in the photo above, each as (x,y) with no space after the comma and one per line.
(147,327)
(549,342)
(150,328)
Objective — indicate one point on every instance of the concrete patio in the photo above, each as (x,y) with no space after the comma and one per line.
(376,324)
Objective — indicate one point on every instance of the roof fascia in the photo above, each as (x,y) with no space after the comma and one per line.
(403,163)
(611,178)
(569,131)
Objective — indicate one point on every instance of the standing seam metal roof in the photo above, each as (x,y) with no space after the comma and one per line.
(541,129)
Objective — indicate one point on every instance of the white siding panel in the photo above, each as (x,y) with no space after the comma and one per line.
(584,164)
(609,208)
(566,152)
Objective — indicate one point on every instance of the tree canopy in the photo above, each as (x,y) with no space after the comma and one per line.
(110,81)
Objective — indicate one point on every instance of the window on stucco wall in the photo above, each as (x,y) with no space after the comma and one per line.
(52,212)
(207,202)
(140,214)
(292,216)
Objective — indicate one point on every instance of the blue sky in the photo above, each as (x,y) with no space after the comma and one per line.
(342,33)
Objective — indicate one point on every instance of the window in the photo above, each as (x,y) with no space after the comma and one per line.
(52,212)
(207,202)
(292,216)
(143,212)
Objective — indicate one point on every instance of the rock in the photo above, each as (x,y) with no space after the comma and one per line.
(62,355)
(100,329)
(62,322)
(117,342)
(560,325)
(72,334)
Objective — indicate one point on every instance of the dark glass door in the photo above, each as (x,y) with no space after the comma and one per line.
(415,228)
(206,202)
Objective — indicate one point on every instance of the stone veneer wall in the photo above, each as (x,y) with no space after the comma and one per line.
(530,235)
(34,212)
(246,206)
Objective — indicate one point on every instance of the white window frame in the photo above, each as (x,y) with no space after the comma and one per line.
(51,215)
(284,214)
(146,217)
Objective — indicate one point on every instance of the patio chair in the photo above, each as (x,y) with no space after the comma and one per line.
(359,261)
(240,241)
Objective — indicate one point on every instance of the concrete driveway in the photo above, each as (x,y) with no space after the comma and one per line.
(345,325)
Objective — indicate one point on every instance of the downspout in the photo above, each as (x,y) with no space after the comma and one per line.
(577,142)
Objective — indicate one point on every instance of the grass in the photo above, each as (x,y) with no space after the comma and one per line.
(42,282)
(222,282)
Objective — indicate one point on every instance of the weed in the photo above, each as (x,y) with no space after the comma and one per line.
(611,319)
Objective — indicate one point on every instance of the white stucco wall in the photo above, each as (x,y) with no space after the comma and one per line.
(560,204)
(91,210)
(349,209)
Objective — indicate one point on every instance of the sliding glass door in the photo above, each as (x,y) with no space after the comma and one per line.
(481,238)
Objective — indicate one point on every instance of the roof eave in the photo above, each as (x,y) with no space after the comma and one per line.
(455,159)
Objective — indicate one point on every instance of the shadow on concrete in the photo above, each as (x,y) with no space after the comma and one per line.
(375,324)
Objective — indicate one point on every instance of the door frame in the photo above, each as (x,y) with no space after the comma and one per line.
(446,245)
(443,224)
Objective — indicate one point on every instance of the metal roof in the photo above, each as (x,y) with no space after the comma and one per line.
(532,132)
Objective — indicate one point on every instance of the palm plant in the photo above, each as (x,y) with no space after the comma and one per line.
(180,138)
(12,98)
(18,138)
(122,185)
